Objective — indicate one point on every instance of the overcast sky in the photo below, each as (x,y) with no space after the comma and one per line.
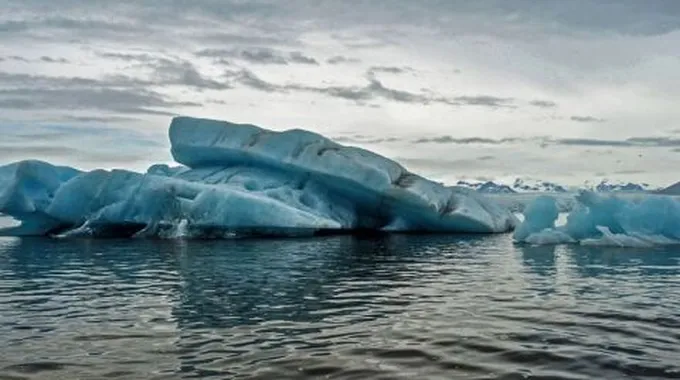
(569,91)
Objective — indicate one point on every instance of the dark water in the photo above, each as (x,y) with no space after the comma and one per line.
(395,307)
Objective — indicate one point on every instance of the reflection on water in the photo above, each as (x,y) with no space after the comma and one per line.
(396,306)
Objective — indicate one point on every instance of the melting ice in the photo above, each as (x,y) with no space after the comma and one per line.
(601,219)
(242,179)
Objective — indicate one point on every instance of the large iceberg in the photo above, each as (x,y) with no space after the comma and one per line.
(608,220)
(242,179)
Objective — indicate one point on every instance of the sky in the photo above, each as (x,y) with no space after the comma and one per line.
(566,91)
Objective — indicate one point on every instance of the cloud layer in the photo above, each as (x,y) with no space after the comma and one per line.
(421,77)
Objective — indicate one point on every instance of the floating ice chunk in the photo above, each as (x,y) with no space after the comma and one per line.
(549,236)
(28,186)
(623,240)
(541,214)
(606,220)
(26,191)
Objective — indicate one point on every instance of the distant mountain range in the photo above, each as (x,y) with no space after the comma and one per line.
(673,189)
(528,186)
(606,187)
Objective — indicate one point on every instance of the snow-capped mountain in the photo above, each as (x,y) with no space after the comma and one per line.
(606,186)
(520,185)
(488,187)
(523,185)
(673,189)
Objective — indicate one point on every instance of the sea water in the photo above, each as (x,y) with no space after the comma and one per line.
(338,307)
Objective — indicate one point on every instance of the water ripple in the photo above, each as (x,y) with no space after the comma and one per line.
(391,307)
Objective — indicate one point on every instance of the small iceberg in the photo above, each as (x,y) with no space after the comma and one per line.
(603,220)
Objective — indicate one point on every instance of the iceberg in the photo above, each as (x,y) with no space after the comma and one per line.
(603,220)
(26,191)
(539,215)
(236,179)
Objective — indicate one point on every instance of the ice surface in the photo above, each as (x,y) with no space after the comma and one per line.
(26,191)
(541,214)
(518,202)
(238,178)
(610,220)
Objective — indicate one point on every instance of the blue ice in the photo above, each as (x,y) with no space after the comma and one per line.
(235,178)
(601,219)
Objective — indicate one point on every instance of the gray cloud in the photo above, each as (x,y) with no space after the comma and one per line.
(259,55)
(253,38)
(13,26)
(356,94)
(249,79)
(47,59)
(133,95)
(444,165)
(11,150)
(55,27)
(628,172)
(51,133)
(381,140)
(375,42)
(44,81)
(11,153)
(654,141)
(117,94)
(184,73)
(543,103)
(374,90)
(124,101)
(151,22)
(222,62)
(167,71)
(587,119)
(271,19)
(130,57)
(510,18)
(360,139)
(43,59)
(484,100)
(582,34)
(389,69)
(298,57)
(338,59)
(628,17)
(17,58)
(592,142)
(651,142)
(98,119)
(93,144)
(446,139)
